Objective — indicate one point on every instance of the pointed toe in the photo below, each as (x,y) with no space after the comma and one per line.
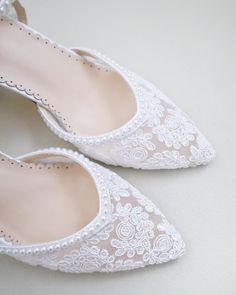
(143,234)
(161,137)
(128,231)
(157,136)
(201,152)
(167,243)
(167,246)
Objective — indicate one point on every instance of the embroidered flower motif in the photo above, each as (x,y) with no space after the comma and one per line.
(132,156)
(166,246)
(139,139)
(201,154)
(102,235)
(156,109)
(145,202)
(176,131)
(137,234)
(86,259)
(137,230)
(165,138)
(155,257)
(137,154)
(169,230)
(163,243)
(118,187)
(168,160)
(125,231)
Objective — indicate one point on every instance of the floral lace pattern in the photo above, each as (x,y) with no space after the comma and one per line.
(159,136)
(137,235)
(166,139)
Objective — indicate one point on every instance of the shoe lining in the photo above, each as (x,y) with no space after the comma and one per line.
(42,202)
(87,98)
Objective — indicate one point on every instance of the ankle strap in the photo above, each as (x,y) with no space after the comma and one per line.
(20,11)
(9,6)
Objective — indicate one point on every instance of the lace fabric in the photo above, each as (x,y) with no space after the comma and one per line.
(166,139)
(159,136)
(136,234)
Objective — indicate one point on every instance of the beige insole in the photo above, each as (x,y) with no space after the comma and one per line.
(46,202)
(90,99)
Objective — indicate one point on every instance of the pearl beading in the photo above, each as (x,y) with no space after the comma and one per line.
(35,165)
(139,118)
(67,134)
(5,6)
(7,239)
(29,93)
(100,221)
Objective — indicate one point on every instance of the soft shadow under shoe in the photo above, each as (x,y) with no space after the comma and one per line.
(63,212)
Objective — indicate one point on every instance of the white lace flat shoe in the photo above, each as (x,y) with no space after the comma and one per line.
(108,112)
(63,212)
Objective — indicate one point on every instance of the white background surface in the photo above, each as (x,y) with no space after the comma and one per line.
(188,49)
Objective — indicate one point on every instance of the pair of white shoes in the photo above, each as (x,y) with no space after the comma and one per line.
(62,211)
